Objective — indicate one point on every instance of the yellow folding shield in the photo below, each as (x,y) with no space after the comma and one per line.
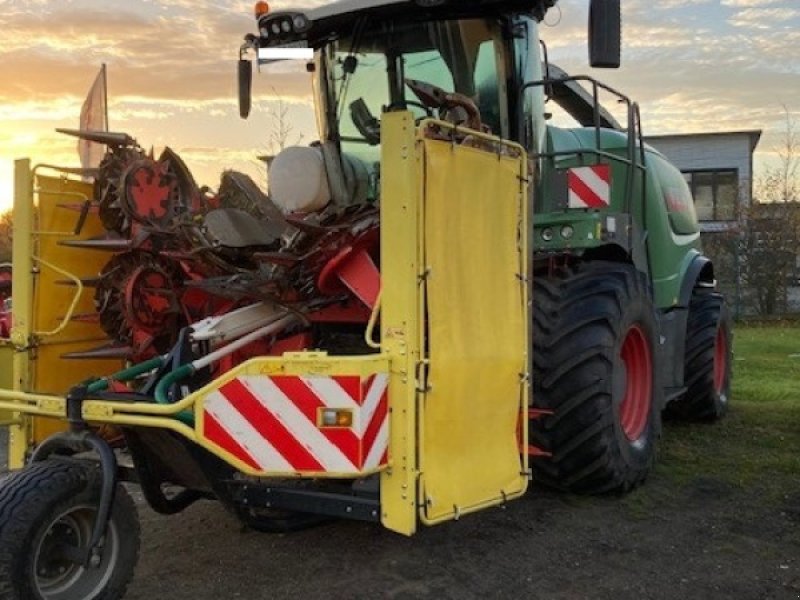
(454,267)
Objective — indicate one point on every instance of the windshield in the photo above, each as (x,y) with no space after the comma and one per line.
(371,64)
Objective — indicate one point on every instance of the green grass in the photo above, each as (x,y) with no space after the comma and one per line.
(757,445)
(767,365)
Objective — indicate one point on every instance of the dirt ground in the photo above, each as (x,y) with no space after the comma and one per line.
(702,539)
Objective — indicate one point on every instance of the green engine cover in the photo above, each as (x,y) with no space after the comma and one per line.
(589,197)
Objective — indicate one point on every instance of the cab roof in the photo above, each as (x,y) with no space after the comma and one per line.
(456,8)
(345,7)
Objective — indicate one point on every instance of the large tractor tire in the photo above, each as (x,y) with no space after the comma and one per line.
(708,360)
(595,369)
(47,512)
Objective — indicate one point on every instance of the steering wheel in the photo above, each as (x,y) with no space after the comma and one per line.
(370,127)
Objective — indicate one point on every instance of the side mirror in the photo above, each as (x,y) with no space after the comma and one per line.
(245,87)
(605,34)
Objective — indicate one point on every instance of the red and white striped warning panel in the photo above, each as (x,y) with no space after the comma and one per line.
(302,424)
(589,187)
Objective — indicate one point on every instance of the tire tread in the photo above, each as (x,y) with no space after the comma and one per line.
(576,323)
(39,487)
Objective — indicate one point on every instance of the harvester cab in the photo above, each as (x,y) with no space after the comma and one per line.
(362,342)
(464,63)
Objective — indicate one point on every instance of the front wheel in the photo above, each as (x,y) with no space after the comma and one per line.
(595,349)
(47,514)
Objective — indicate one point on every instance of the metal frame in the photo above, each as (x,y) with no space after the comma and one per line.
(172,417)
(634,126)
(262,495)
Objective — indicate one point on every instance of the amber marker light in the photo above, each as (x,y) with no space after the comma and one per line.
(262,8)
(336,417)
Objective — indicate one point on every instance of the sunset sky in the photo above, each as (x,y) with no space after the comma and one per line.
(694,65)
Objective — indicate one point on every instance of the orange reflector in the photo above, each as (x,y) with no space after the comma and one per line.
(334,417)
(262,8)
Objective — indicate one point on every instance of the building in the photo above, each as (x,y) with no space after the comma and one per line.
(718,168)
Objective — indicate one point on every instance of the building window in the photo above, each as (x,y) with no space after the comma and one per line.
(716,193)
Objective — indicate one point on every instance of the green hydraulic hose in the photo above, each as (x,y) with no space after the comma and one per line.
(126,374)
(161,394)
(162,390)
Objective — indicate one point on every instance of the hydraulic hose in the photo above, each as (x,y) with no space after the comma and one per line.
(128,374)
(161,394)
(162,390)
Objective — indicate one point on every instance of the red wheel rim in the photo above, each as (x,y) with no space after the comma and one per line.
(720,361)
(635,408)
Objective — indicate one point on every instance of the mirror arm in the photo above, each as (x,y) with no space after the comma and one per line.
(245,76)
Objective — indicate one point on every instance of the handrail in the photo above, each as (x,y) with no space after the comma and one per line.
(456,130)
(369,337)
(634,132)
(90,172)
(73,305)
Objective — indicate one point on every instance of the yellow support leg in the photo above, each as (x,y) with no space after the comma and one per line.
(22,307)
(400,315)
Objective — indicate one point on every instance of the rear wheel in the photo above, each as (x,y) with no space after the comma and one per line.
(47,513)
(595,354)
(707,366)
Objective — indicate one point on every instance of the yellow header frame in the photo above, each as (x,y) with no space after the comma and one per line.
(405,244)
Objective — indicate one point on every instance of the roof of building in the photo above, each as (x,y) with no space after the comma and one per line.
(753,134)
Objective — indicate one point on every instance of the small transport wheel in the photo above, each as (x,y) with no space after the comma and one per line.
(595,354)
(47,513)
(708,359)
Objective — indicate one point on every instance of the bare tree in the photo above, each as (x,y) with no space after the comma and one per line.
(771,231)
(781,184)
(281,131)
(281,135)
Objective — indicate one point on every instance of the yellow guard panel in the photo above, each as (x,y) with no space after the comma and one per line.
(42,323)
(58,200)
(475,244)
